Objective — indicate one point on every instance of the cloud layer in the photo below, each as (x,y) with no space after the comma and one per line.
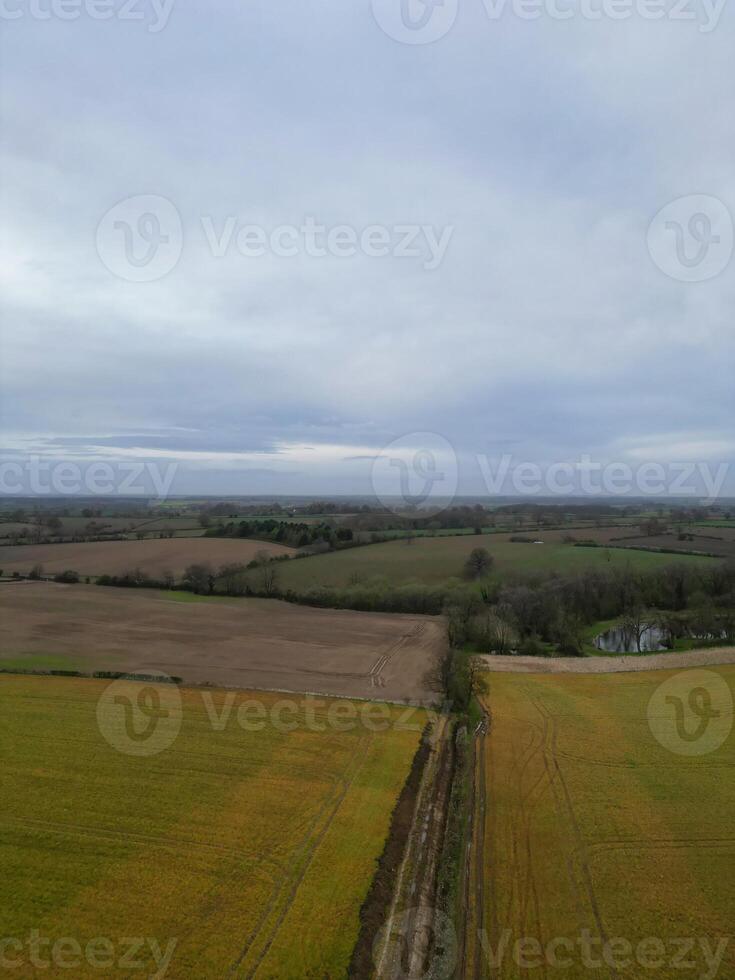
(546,330)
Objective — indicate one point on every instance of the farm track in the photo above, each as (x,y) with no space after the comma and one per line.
(414,895)
(708,657)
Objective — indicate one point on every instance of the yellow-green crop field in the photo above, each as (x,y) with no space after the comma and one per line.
(250,850)
(609,827)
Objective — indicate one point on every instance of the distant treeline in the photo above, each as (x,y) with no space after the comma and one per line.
(291,533)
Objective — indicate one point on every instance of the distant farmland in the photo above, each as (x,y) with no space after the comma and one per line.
(432,561)
(153,556)
(591,823)
(251,852)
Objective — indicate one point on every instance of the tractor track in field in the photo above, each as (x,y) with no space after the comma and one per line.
(565,807)
(636,844)
(375,673)
(467,872)
(307,850)
(101,833)
(522,852)
(478,892)
(479,831)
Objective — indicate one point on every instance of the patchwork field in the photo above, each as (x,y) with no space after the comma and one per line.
(153,556)
(720,542)
(228,853)
(595,818)
(235,642)
(432,561)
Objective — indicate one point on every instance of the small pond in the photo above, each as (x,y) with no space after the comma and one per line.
(620,640)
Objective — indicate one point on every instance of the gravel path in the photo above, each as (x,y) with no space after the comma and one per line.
(711,657)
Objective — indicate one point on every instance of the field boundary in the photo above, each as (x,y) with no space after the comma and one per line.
(382,888)
(414,895)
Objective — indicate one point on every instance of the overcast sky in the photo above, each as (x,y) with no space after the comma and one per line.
(520,162)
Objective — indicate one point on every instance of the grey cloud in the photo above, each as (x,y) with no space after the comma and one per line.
(547,331)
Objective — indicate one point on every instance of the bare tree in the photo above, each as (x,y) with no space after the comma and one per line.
(232,578)
(268,577)
(637,622)
(200,578)
(478,564)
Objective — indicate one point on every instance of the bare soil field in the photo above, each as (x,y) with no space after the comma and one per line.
(152,556)
(254,643)
(712,656)
(603,535)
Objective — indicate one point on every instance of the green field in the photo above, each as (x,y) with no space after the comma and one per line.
(595,819)
(251,851)
(432,561)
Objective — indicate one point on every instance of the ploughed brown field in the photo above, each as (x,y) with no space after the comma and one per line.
(253,643)
(154,556)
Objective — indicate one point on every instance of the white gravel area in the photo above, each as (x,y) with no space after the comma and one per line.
(711,657)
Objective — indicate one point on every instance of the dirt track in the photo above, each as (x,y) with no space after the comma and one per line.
(153,556)
(611,665)
(249,643)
